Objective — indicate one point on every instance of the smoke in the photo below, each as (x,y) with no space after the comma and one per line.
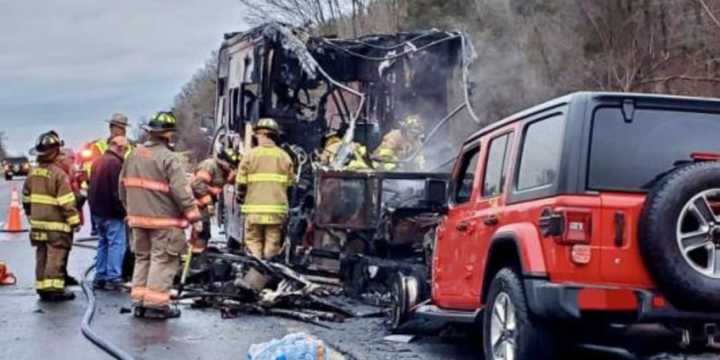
(529,51)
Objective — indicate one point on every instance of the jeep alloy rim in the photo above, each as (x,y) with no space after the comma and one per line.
(698,233)
(503,337)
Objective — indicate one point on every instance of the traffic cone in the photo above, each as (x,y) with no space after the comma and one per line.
(14,217)
(6,277)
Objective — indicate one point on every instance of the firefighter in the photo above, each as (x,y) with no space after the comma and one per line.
(66,161)
(50,204)
(207,185)
(118,127)
(332,143)
(159,204)
(263,177)
(399,144)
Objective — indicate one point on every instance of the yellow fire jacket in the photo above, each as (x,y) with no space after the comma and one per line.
(49,201)
(155,190)
(265,172)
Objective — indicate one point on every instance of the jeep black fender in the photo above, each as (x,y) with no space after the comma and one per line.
(516,245)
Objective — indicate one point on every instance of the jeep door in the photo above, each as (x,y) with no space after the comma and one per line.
(486,215)
(448,262)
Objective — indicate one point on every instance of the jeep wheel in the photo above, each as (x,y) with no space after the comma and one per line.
(509,330)
(680,236)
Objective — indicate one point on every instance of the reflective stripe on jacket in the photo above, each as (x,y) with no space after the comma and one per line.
(49,201)
(208,182)
(155,190)
(266,171)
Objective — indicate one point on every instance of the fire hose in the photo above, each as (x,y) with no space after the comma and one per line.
(86,327)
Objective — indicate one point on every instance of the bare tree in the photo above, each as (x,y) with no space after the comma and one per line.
(3,151)
(318,13)
(657,46)
(193,106)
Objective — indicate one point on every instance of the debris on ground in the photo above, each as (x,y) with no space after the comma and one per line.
(237,284)
(297,346)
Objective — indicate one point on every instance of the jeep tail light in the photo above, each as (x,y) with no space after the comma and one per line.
(659,302)
(567,226)
(578,226)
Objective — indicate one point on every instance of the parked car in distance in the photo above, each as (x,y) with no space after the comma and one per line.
(588,213)
(15,166)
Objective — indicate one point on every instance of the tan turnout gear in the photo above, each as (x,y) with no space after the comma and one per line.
(50,205)
(400,144)
(264,175)
(388,154)
(207,185)
(157,196)
(357,159)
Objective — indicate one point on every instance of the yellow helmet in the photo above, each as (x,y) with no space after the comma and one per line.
(412,124)
(267,124)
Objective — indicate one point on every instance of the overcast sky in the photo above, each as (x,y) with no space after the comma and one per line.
(68,65)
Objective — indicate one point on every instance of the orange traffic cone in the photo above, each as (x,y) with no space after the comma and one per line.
(6,277)
(14,217)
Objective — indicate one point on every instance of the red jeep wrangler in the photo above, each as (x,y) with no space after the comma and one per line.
(594,208)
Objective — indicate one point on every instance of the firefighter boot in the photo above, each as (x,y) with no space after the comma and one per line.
(65,295)
(161,313)
(138,311)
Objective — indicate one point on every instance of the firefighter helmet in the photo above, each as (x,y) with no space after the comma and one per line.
(229,155)
(267,124)
(412,124)
(47,143)
(161,121)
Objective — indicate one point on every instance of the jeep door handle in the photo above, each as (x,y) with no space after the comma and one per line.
(490,220)
(463,226)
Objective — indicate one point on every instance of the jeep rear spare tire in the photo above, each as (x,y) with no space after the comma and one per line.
(679,236)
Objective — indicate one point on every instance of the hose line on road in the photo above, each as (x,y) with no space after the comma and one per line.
(87,330)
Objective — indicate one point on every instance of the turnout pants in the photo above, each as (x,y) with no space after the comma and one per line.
(263,241)
(51,254)
(157,261)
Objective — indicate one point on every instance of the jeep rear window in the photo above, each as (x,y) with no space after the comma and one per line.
(631,156)
(541,153)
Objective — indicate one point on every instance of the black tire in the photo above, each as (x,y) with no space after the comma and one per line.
(533,339)
(685,287)
(8,177)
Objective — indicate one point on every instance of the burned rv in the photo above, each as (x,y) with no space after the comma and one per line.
(312,85)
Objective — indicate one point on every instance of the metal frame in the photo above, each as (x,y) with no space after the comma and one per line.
(379,178)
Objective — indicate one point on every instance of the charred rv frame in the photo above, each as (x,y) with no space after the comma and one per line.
(313,84)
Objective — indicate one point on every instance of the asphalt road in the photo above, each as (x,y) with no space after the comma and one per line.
(33,330)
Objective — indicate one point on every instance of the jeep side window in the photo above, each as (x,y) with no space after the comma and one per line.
(541,151)
(495,166)
(466,176)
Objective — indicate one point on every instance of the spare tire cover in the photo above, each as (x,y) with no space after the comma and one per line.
(679,236)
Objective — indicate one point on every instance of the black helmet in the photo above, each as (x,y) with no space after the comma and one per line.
(229,155)
(162,121)
(47,143)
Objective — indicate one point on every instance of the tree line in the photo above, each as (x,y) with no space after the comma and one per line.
(528,50)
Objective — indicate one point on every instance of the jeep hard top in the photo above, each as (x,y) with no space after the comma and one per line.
(593,208)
